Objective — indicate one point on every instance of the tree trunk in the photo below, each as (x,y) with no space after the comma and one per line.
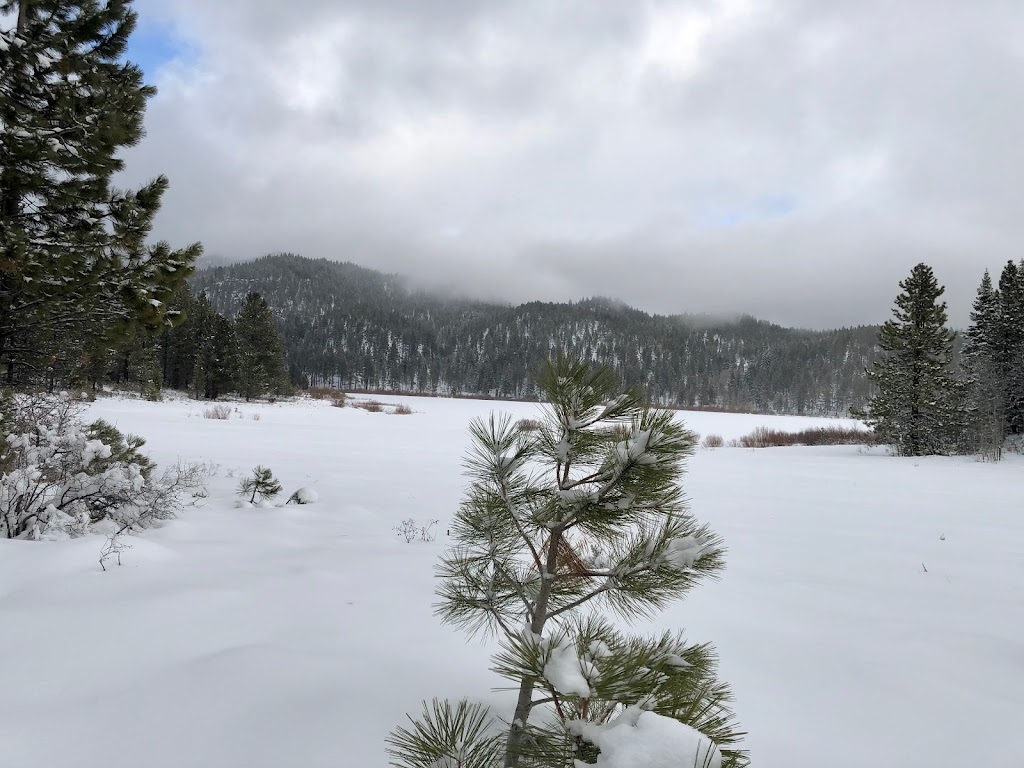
(524,704)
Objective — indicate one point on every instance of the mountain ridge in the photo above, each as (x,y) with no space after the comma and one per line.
(350,326)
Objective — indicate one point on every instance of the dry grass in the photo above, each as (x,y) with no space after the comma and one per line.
(763,437)
(220,411)
(528,425)
(401,410)
(336,396)
(323,393)
(371,406)
(713,441)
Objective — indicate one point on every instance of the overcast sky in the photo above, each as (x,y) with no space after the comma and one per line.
(792,159)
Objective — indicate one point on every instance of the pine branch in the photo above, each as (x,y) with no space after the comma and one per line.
(530,608)
(578,602)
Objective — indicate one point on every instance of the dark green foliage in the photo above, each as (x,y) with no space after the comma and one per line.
(262,485)
(462,735)
(1009,352)
(124,448)
(993,364)
(261,366)
(919,402)
(215,372)
(179,345)
(986,391)
(75,269)
(673,678)
(350,327)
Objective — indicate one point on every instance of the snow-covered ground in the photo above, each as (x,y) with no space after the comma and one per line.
(872,611)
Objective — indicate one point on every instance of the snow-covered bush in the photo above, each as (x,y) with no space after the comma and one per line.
(580,518)
(60,476)
(304,496)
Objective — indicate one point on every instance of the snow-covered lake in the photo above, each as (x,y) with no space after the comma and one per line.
(871,614)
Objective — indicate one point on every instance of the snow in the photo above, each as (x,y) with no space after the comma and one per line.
(683,552)
(639,739)
(564,670)
(306,496)
(302,634)
(94,449)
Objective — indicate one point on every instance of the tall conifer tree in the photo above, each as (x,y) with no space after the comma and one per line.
(917,409)
(1010,351)
(261,366)
(986,388)
(73,252)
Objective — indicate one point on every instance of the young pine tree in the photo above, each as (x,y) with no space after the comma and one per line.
(261,366)
(986,389)
(562,527)
(917,409)
(262,485)
(73,255)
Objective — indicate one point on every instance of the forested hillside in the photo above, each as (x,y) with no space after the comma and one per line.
(351,327)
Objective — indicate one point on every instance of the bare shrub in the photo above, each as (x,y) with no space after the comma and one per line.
(407,529)
(220,411)
(113,548)
(401,410)
(372,406)
(713,441)
(255,416)
(339,401)
(764,437)
(324,393)
(427,531)
(528,425)
(410,530)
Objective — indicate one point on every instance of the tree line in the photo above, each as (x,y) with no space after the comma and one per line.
(930,400)
(210,355)
(349,327)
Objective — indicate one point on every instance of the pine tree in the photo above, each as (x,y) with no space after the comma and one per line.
(179,344)
(262,484)
(261,366)
(584,513)
(917,409)
(73,255)
(986,387)
(216,362)
(1010,345)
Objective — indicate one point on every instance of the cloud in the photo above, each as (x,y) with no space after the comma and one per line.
(791,159)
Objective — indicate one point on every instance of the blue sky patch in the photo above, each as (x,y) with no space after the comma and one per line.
(773,207)
(153,46)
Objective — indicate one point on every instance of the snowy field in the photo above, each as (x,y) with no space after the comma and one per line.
(871,614)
